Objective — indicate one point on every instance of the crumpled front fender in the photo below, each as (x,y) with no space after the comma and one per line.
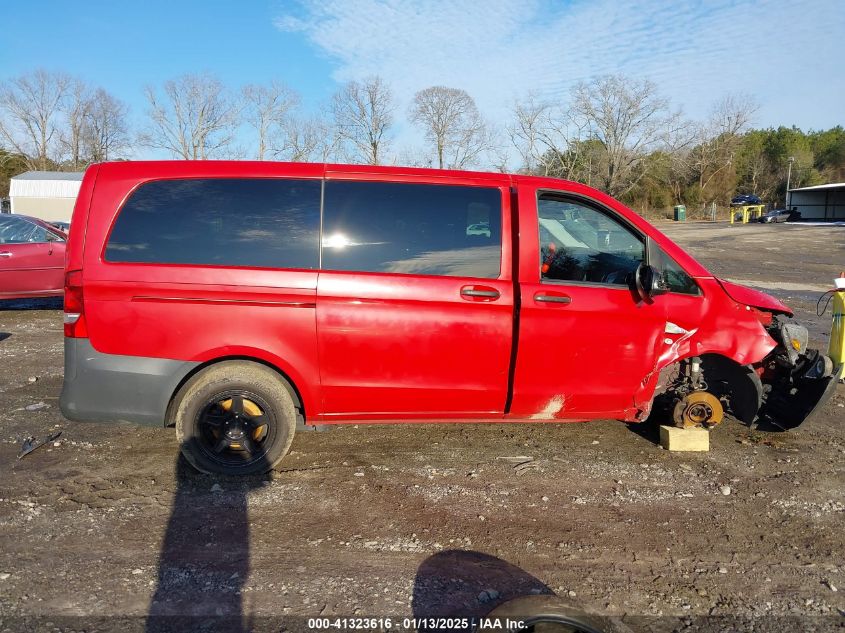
(711,324)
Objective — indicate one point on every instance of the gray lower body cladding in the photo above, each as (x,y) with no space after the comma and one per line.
(110,387)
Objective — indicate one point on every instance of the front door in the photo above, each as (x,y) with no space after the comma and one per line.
(586,339)
(414,299)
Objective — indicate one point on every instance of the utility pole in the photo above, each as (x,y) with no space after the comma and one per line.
(788,178)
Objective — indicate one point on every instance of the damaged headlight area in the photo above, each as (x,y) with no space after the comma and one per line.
(793,338)
(797,381)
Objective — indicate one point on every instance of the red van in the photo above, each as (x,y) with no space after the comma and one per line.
(237,300)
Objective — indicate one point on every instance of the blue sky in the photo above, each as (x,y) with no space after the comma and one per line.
(788,54)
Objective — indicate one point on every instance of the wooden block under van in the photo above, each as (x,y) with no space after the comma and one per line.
(674,439)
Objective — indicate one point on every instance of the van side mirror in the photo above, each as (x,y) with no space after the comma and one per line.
(649,282)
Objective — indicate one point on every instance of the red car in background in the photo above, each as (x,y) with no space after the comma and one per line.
(32,258)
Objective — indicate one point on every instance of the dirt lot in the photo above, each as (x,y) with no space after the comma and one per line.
(106,526)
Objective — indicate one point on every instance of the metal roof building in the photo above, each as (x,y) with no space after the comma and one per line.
(49,195)
(821,202)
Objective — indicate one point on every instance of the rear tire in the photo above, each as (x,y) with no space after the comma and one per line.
(235,418)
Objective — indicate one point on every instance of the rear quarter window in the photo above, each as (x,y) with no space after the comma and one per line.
(265,223)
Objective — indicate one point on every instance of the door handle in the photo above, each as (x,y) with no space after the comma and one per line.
(5,254)
(484,293)
(552,298)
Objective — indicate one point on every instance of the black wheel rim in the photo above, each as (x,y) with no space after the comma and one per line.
(235,428)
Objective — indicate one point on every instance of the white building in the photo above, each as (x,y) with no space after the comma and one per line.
(822,202)
(49,195)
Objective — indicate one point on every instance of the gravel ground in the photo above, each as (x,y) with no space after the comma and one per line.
(106,526)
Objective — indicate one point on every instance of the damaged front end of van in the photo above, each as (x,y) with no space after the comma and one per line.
(795,380)
(752,361)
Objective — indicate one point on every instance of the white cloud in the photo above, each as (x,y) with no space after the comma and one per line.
(786,54)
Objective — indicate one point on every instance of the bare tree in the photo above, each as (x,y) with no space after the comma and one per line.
(549,140)
(363,113)
(679,158)
(267,111)
(76,108)
(497,155)
(469,144)
(105,133)
(678,174)
(527,131)
(410,156)
(30,112)
(194,119)
(628,119)
(719,140)
(452,122)
(309,140)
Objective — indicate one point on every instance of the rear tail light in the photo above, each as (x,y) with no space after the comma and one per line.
(74,306)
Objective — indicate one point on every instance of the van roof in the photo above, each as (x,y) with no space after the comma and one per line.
(246,167)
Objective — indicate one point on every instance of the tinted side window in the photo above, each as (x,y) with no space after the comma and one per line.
(580,243)
(19,231)
(268,223)
(412,228)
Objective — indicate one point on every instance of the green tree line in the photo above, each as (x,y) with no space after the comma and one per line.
(759,165)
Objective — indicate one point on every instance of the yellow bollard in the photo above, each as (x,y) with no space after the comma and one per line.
(836,349)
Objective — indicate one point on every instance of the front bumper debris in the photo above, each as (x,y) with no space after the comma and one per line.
(797,381)
(787,407)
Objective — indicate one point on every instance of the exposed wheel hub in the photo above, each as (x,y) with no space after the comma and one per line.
(234,431)
(698,408)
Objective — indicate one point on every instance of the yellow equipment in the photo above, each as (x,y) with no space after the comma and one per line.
(748,211)
(836,349)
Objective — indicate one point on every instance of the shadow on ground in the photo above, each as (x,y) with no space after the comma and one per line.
(467,584)
(205,554)
(648,429)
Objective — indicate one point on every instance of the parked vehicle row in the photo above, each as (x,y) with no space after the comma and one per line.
(235,299)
